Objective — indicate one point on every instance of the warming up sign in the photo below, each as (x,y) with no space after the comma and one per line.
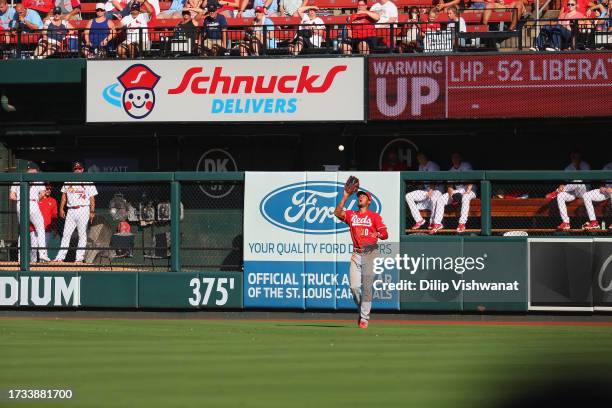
(296,252)
(296,89)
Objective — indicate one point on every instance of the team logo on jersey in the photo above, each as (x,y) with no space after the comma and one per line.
(138,97)
(308,207)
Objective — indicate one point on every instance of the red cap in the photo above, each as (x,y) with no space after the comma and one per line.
(260,9)
(77,166)
(367,193)
(138,77)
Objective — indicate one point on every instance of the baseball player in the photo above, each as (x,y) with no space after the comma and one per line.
(597,195)
(48,209)
(459,192)
(425,197)
(366,228)
(81,201)
(569,192)
(37,192)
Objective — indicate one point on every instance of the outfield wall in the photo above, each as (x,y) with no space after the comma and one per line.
(476,273)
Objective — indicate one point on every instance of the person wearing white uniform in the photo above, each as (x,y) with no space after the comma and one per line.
(81,201)
(569,192)
(37,239)
(387,10)
(424,198)
(599,194)
(466,191)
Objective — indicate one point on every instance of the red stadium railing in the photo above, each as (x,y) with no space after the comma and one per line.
(337,36)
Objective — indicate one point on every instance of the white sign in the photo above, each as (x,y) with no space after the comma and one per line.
(244,90)
(290,216)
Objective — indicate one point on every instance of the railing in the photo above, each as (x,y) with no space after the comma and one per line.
(555,35)
(405,37)
(194,221)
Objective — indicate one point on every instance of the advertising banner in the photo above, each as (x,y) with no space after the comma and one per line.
(296,252)
(234,90)
(489,86)
(197,290)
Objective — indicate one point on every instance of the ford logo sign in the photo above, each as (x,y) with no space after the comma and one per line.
(308,207)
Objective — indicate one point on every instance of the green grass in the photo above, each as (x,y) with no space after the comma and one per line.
(187,363)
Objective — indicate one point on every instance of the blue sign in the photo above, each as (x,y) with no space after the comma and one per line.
(308,207)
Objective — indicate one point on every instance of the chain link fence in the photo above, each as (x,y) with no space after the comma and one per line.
(547,208)
(211,226)
(438,207)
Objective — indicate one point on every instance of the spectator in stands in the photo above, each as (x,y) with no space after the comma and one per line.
(410,38)
(6,15)
(255,36)
(569,192)
(387,12)
(187,31)
(25,19)
(229,8)
(311,31)
(137,36)
(554,37)
(122,8)
(270,8)
(71,9)
(453,17)
(456,194)
(174,11)
(599,10)
(441,5)
(506,5)
(361,30)
(291,8)
(42,7)
(54,35)
(215,32)
(392,163)
(99,33)
(478,4)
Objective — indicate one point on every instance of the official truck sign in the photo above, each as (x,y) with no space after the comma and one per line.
(300,89)
(469,86)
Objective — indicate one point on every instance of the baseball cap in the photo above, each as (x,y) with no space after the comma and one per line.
(184,12)
(57,10)
(260,9)
(367,193)
(135,6)
(212,8)
(100,6)
(32,166)
(77,165)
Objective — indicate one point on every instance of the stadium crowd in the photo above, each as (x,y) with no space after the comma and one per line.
(247,27)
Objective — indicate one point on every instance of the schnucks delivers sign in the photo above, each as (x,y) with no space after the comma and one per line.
(296,252)
(300,89)
(494,86)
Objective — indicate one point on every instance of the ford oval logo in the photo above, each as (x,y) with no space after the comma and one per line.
(308,207)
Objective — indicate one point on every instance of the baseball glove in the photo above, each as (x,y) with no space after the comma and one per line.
(352,185)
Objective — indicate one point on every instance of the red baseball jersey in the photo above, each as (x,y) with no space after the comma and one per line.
(364,227)
(48,209)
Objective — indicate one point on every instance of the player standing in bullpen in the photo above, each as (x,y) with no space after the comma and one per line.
(81,201)
(366,228)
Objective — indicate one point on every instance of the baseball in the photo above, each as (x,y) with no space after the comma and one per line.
(341,148)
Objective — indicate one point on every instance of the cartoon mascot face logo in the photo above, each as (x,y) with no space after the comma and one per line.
(138,98)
